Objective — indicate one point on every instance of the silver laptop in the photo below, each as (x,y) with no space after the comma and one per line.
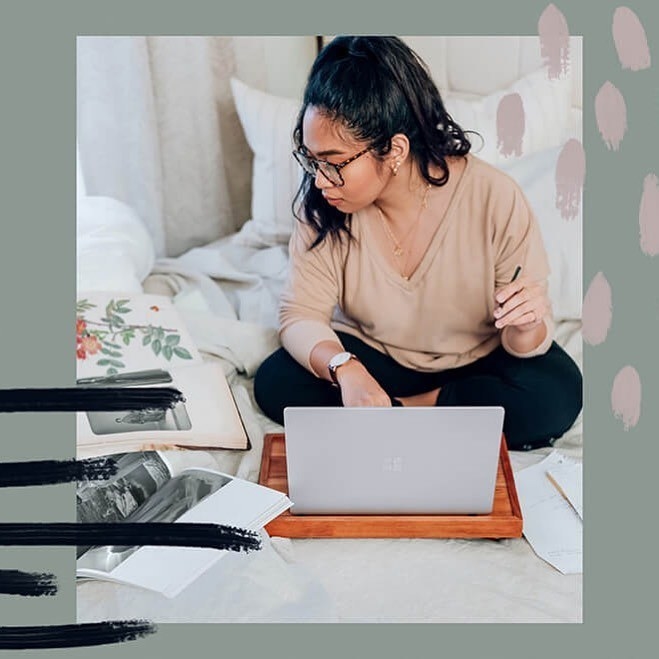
(392,460)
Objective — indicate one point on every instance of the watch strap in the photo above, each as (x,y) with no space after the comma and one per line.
(333,368)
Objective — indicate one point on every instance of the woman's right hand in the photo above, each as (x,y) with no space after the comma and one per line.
(359,388)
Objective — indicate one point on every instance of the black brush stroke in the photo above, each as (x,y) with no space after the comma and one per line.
(89,399)
(157,534)
(50,472)
(74,636)
(27,584)
(165,534)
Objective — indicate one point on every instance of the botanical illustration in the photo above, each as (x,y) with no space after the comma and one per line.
(106,338)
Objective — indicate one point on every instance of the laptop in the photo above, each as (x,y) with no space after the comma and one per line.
(392,460)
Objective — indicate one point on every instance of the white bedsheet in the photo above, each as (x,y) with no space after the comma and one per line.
(402,580)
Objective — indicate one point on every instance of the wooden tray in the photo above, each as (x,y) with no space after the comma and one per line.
(505,521)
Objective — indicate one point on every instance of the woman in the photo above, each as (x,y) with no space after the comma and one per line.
(403,285)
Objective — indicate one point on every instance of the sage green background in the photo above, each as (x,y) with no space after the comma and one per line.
(37,281)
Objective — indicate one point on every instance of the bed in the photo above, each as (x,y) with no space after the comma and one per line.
(227,285)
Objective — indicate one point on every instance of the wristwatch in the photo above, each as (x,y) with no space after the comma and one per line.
(337,361)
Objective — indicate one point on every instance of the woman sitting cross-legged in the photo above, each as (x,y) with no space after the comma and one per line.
(418,275)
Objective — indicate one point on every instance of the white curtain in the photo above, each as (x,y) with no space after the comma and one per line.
(152,134)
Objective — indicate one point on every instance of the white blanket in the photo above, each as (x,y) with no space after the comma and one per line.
(404,580)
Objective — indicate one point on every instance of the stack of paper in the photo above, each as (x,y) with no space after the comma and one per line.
(550,495)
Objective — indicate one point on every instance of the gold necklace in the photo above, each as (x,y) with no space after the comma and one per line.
(398,245)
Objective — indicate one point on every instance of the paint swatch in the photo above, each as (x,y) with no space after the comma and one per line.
(597,311)
(30,584)
(510,125)
(89,399)
(163,534)
(626,396)
(74,636)
(570,175)
(554,41)
(49,472)
(611,115)
(630,40)
(648,216)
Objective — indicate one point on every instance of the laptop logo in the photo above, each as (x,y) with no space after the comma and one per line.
(393,463)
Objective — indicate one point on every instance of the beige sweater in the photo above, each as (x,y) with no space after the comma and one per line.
(443,316)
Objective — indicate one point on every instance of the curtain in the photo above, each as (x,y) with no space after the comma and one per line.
(156,130)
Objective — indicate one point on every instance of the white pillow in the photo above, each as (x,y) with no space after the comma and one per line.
(114,250)
(547,115)
(268,122)
(536,174)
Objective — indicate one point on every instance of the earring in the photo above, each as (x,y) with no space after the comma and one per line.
(394,169)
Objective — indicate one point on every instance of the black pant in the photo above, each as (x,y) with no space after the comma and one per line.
(542,395)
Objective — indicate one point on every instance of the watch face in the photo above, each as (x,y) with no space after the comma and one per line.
(339,359)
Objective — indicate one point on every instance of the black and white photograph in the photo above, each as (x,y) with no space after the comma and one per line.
(138,476)
(108,423)
(166,503)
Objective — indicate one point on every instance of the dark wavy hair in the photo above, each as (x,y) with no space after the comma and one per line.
(375,87)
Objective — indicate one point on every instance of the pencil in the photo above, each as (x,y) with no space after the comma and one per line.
(518,269)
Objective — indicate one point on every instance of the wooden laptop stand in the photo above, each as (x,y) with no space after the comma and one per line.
(505,521)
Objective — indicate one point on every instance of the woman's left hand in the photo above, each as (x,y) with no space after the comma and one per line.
(522,304)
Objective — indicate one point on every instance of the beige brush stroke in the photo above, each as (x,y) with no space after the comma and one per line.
(648,216)
(570,175)
(597,311)
(554,41)
(510,125)
(630,40)
(626,396)
(611,115)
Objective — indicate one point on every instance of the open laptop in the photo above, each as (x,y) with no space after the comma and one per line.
(392,460)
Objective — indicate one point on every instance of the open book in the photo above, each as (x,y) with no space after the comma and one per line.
(149,487)
(139,340)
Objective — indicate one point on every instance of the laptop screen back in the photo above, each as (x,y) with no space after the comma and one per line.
(392,460)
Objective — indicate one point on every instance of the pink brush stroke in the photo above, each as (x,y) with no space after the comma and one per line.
(630,40)
(510,125)
(597,312)
(648,216)
(611,115)
(626,396)
(570,174)
(554,41)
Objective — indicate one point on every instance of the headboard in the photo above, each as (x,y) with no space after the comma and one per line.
(477,66)
(472,67)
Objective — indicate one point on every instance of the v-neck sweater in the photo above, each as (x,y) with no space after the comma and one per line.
(442,317)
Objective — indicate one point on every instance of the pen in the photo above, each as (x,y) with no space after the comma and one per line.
(518,269)
(135,378)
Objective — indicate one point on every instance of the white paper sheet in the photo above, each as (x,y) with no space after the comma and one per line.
(568,478)
(551,525)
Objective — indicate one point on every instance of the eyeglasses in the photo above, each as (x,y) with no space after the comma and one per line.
(331,171)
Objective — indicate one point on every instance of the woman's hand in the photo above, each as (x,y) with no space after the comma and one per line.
(522,304)
(359,388)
